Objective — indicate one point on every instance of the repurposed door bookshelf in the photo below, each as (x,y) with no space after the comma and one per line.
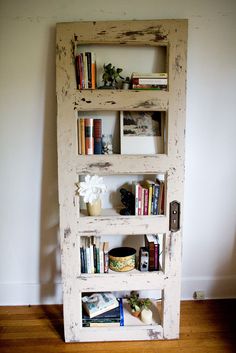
(168,34)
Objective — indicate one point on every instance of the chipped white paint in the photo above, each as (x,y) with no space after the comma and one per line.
(172,33)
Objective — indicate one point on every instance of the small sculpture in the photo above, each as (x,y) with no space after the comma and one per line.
(128,200)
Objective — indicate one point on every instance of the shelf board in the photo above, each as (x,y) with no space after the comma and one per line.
(118,99)
(122,333)
(117,164)
(118,281)
(111,222)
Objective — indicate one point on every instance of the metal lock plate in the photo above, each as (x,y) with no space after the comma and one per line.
(174,216)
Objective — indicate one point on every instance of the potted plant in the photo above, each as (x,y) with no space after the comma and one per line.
(134,303)
(110,75)
(91,190)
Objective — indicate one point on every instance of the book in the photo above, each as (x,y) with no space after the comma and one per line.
(106,256)
(149,244)
(89,67)
(149,75)
(82,135)
(149,86)
(93,70)
(155,198)
(149,81)
(97,136)
(89,139)
(114,316)
(99,303)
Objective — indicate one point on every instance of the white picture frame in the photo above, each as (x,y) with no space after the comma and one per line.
(141,132)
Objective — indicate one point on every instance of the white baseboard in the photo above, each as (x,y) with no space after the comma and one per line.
(214,287)
(30,293)
(35,294)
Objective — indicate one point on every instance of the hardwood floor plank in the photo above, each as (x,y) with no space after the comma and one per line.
(205,327)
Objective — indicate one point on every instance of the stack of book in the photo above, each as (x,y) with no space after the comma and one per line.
(102,309)
(85,65)
(94,255)
(152,245)
(149,197)
(90,136)
(156,81)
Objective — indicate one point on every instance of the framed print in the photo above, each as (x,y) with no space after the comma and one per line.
(141,132)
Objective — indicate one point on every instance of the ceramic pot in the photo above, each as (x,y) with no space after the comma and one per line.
(95,208)
(146,316)
(136,313)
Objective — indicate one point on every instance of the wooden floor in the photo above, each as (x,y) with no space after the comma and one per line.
(206,327)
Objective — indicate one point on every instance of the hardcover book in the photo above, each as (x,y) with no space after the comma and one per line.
(99,303)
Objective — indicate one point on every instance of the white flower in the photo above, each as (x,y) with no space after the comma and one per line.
(91,188)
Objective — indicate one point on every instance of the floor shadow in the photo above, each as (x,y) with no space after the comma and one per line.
(54,315)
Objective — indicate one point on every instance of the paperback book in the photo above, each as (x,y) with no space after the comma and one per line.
(99,303)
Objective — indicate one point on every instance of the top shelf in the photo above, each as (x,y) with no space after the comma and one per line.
(118,99)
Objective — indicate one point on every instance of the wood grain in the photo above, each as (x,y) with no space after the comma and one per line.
(205,327)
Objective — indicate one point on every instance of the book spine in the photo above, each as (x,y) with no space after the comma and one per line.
(85,70)
(155,198)
(154,87)
(82,135)
(149,81)
(121,312)
(81,71)
(146,201)
(89,69)
(106,257)
(82,260)
(77,71)
(89,139)
(78,136)
(101,257)
(97,136)
(139,200)
(150,75)
(93,70)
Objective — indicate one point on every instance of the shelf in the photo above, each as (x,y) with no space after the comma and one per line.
(106,99)
(122,164)
(111,222)
(118,281)
(123,333)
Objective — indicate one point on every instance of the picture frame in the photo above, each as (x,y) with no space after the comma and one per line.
(142,132)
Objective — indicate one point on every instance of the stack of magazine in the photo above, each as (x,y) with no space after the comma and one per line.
(102,309)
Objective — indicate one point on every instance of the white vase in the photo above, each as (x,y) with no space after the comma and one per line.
(95,208)
(146,316)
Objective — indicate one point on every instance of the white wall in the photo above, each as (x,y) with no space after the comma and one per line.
(29,267)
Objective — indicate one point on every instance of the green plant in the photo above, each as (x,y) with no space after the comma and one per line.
(134,301)
(145,303)
(111,74)
(137,304)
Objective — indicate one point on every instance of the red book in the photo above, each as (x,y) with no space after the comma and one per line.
(89,139)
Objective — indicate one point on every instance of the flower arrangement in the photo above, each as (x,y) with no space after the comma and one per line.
(91,188)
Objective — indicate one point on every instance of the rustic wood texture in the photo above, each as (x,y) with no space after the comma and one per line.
(173,34)
(205,327)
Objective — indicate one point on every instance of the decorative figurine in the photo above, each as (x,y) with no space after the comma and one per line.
(128,200)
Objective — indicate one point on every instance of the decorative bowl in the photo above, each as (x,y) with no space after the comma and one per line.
(122,259)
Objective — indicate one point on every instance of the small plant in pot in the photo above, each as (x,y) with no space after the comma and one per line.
(134,303)
(110,75)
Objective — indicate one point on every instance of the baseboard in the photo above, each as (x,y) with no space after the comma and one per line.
(30,293)
(214,287)
(35,294)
